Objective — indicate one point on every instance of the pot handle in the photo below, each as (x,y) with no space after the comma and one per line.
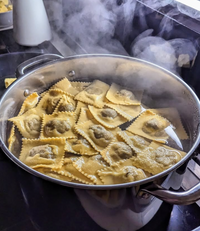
(35,61)
(179,198)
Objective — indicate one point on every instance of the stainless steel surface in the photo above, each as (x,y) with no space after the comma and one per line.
(161,88)
(71,74)
(26,93)
(178,198)
(6,19)
(30,63)
(191,176)
(194,167)
(6,28)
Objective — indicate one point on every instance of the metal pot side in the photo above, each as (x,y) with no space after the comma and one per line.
(161,89)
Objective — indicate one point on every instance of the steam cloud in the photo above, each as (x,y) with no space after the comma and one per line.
(105,26)
(93,25)
(169,54)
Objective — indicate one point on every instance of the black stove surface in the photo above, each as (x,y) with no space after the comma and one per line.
(31,203)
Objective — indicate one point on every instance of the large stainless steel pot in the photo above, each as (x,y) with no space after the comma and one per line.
(161,89)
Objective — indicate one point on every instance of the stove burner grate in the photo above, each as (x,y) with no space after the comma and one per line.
(192,174)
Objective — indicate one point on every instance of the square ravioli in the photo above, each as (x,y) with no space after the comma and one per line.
(150,126)
(70,157)
(116,152)
(47,153)
(53,174)
(80,86)
(14,138)
(80,105)
(29,123)
(123,172)
(49,101)
(65,85)
(89,165)
(98,136)
(84,115)
(94,94)
(66,104)
(108,117)
(69,170)
(137,143)
(80,145)
(157,158)
(58,125)
(30,102)
(119,95)
(127,111)
(94,133)
(173,116)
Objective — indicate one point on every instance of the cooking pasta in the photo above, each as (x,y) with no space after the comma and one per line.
(78,132)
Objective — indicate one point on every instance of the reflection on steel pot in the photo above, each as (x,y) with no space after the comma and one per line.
(161,89)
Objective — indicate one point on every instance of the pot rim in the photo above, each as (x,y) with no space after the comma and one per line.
(101,187)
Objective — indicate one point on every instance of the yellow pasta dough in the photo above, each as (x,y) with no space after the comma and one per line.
(8,81)
(80,86)
(137,143)
(58,125)
(108,117)
(150,126)
(14,141)
(89,165)
(120,95)
(79,106)
(65,85)
(80,145)
(49,101)
(157,158)
(29,123)
(49,172)
(116,152)
(124,172)
(94,94)
(84,115)
(98,136)
(69,170)
(66,104)
(47,153)
(172,115)
(127,111)
(30,102)
(71,133)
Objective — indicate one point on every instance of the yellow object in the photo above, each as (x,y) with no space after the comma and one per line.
(82,145)
(3,9)
(5,6)
(8,81)
(5,2)
(10,7)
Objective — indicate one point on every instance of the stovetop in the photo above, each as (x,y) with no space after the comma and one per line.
(30,203)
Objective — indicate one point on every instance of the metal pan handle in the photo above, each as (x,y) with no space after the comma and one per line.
(179,198)
(36,61)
